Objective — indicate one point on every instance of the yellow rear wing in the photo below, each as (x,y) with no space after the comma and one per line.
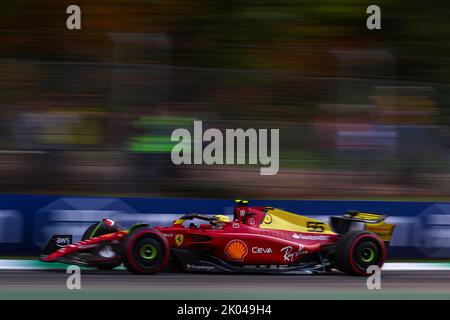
(373,222)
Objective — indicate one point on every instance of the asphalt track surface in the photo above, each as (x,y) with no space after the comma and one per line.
(119,284)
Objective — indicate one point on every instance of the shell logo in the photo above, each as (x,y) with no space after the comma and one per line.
(236,250)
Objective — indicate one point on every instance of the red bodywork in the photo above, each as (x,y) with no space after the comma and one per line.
(239,241)
(242,241)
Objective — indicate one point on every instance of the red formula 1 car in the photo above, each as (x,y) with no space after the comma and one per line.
(258,239)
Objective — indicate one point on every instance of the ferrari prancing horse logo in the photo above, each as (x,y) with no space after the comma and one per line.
(179,239)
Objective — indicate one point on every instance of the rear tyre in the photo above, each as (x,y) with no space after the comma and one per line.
(358,250)
(146,251)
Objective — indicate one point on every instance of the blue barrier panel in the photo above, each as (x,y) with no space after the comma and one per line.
(27,221)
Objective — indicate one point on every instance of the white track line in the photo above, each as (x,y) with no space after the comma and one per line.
(421,266)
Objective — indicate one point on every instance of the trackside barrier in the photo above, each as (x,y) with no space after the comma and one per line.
(27,221)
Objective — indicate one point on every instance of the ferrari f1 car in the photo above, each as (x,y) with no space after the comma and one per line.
(257,239)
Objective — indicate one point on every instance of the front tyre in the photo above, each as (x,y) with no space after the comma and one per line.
(146,251)
(357,250)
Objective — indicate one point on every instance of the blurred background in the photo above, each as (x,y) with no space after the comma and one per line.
(362,113)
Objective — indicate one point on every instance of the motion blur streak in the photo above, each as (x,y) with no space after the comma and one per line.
(361,113)
(119,284)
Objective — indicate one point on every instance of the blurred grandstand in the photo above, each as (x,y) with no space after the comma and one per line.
(362,114)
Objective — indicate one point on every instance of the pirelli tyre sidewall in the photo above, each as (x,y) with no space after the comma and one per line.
(146,251)
(357,250)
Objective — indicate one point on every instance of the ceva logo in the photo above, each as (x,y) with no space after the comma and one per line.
(261,250)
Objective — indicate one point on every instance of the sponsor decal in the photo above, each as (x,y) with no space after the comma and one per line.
(236,225)
(242,213)
(179,238)
(197,267)
(268,218)
(168,235)
(265,266)
(289,254)
(236,250)
(61,242)
(258,250)
(251,221)
(310,237)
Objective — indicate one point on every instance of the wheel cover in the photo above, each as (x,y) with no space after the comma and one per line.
(367,253)
(148,252)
